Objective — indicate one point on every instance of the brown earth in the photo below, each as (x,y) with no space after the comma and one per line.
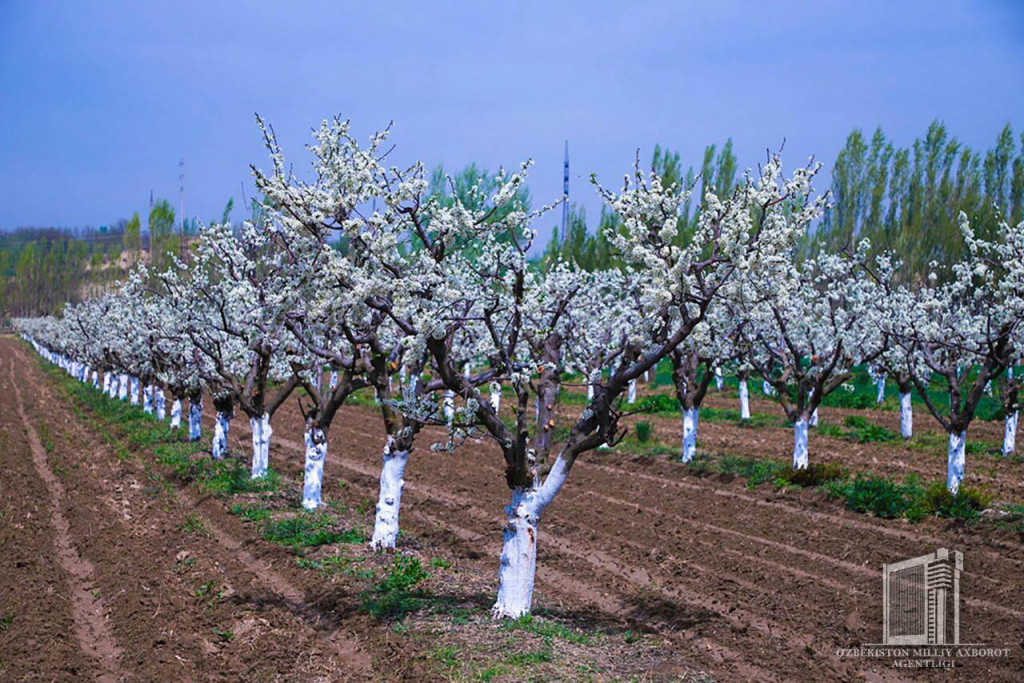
(748,584)
(742,584)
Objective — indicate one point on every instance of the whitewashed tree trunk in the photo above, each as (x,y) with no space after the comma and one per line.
(519,547)
(133,398)
(313,478)
(96,379)
(220,435)
(691,417)
(261,433)
(590,391)
(1010,433)
(906,415)
(195,420)
(176,414)
(880,382)
(766,388)
(448,405)
(160,402)
(389,501)
(955,461)
(106,383)
(719,380)
(800,444)
(631,395)
(122,386)
(147,399)
(988,388)
(334,379)
(744,400)
(496,395)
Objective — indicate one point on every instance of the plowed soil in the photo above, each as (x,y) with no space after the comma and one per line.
(742,584)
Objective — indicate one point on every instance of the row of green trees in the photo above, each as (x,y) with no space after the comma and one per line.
(905,200)
(42,269)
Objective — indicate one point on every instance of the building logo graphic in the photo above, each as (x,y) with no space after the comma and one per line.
(921,600)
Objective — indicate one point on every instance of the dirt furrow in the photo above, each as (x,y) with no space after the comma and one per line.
(92,629)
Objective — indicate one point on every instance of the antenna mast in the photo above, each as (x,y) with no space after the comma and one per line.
(181,187)
(565,195)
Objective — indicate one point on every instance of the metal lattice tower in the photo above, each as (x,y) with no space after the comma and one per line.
(565,196)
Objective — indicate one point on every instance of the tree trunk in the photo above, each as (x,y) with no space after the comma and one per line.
(955,461)
(261,433)
(744,400)
(767,388)
(800,444)
(176,414)
(495,395)
(220,435)
(160,402)
(719,381)
(312,481)
(448,405)
(1010,434)
(906,415)
(134,389)
(122,386)
(389,502)
(631,394)
(147,399)
(690,419)
(96,379)
(518,556)
(881,389)
(106,383)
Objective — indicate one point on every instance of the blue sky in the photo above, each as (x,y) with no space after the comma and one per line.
(99,100)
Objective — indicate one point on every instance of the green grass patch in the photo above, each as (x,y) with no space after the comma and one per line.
(396,594)
(547,629)
(308,530)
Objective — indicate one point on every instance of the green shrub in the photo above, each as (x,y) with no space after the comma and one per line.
(966,504)
(881,496)
(643,431)
(659,403)
(393,596)
(816,474)
(866,431)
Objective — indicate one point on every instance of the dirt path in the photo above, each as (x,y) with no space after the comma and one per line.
(90,621)
(183,596)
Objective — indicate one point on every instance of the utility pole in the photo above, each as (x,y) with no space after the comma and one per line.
(565,195)
(181,187)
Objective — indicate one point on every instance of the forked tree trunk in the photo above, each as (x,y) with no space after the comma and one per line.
(261,433)
(519,546)
(313,478)
(389,501)
(955,461)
